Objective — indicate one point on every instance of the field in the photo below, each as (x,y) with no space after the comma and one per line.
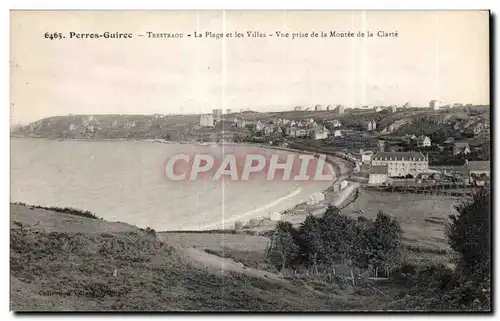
(423,218)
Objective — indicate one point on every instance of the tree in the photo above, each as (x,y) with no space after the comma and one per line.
(284,244)
(311,238)
(340,237)
(469,234)
(382,242)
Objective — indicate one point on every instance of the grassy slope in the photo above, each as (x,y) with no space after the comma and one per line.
(74,258)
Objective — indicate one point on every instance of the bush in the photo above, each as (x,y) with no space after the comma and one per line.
(469,235)
(238,225)
(335,239)
(66,210)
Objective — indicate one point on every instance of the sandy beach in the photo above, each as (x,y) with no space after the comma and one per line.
(127,185)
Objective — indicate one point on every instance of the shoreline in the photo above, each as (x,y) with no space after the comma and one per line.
(340,170)
(251,213)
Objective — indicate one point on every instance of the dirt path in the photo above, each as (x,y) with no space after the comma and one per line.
(219,265)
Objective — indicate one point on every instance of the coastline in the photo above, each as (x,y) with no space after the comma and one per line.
(283,204)
(252,213)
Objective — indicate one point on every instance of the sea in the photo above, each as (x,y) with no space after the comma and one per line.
(125,181)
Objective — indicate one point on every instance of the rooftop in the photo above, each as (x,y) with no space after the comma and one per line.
(478,166)
(379,169)
(461,144)
(399,156)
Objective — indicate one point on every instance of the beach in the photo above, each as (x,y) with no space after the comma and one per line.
(124,181)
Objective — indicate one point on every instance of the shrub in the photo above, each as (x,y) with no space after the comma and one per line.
(66,210)
(469,234)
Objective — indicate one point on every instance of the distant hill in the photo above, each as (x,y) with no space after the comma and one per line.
(110,126)
(184,127)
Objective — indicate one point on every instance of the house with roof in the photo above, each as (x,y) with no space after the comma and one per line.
(269,129)
(337,133)
(298,132)
(400,164)
(370,125)
(477,168)
(461,148)
(319,132)
(424,141)
(482,130)
(366,156)
(379,174)
(335,123)
(259,126)
(207,120)
(339,110)
(240,123)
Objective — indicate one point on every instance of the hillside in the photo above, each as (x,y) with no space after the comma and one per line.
(185,127)
(62,262)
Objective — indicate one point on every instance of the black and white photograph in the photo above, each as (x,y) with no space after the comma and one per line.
(250,161)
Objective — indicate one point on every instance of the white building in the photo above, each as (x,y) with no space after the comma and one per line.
(478,170)
(207,121)
(378,174)
(394,108)
(461,148)
(377,109)
(335,123)
(130,124)
(319,132)
(337,133)
(370,125)
(402,163)
(424,141)
(259,126)
(269,130)
(240,123)
(298,132)
(366,157)
(217,114)
(339,110)
(315,198)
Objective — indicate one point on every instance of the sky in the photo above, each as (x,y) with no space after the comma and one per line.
(442,55)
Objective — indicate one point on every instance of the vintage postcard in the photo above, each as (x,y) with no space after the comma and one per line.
(250,161)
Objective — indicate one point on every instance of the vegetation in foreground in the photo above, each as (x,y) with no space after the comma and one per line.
(132,271)
(331,263)
(367,249)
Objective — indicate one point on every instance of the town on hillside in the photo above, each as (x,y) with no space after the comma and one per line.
(401,172)
(437,145)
